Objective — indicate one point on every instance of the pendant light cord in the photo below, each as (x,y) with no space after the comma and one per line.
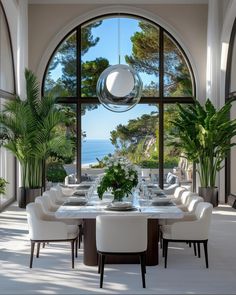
(118,35)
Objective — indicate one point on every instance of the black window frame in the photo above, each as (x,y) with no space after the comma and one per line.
(160,101)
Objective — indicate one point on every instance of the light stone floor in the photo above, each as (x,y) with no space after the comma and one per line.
(52,273)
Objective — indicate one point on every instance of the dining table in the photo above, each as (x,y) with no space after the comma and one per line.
(87,210)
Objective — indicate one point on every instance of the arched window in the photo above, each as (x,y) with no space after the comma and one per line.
(142,133)
(231,92)
(7,91)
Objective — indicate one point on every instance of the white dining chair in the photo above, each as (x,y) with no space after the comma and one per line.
(50,216)
(58,197)
(42,231)
(177,194)
(195,231)
(185,200)
(119,235)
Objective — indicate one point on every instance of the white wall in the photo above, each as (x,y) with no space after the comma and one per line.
(188,23)
(11,10)
(17,16)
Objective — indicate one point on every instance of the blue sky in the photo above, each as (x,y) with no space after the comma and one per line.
(100,122)
(108,39)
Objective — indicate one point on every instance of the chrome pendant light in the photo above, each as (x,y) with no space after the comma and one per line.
(119,87)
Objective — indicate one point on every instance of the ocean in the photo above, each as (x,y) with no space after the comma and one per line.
(95,148)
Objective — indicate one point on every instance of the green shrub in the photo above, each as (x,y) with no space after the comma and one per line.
(149,164)
(55,172)
(3,183)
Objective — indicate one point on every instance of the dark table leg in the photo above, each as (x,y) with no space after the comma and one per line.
(90,251)
(153,239)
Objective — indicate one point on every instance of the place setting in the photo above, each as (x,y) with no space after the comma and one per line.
(120,206)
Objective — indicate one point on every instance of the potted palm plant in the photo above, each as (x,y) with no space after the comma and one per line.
(29,128)
(204,134)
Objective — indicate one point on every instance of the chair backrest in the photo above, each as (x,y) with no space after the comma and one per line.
(178,191)
(172,178)
(204,214)
(197,229)
(44,204)
(191,207)
(40,229)
(121,234)
(186,197)
(46,201)
(189,199)
(56,196)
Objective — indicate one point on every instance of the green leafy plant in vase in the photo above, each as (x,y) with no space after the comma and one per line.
(120,178)
(30,131)
(204,134)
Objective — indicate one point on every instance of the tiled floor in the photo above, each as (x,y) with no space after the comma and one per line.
(52,273)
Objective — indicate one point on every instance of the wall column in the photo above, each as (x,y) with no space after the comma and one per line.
(22,46)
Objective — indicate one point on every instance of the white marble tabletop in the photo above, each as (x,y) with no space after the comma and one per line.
(97,207)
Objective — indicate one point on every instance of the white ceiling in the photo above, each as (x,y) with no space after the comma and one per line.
(118,2)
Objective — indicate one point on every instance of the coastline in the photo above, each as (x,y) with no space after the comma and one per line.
(88,165)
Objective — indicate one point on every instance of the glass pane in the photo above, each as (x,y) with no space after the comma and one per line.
(130,40)
(174,161)
(6,64)
(62,160)
(60,79)
(7,168)
(233,156)
(132,134)
(233,69)
(177,77)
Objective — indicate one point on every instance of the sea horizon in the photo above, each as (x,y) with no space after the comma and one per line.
(93,149)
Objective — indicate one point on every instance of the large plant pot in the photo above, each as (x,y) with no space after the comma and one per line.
(28,195)
(209,194)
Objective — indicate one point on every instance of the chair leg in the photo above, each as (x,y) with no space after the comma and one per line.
(206,252)
(199,250)
(43,245)
(160,237)
(143,268)
(76,247)
(80,234)
(32,253)
(72,254)
(102,269)
(165,246)
(194,248)
(38,249)
(99,263)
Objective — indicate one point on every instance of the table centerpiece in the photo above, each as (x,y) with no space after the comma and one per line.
(120,177)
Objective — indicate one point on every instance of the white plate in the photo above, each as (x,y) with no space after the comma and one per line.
(121,205)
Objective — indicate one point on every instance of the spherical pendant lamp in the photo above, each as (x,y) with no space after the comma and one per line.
(119,88)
